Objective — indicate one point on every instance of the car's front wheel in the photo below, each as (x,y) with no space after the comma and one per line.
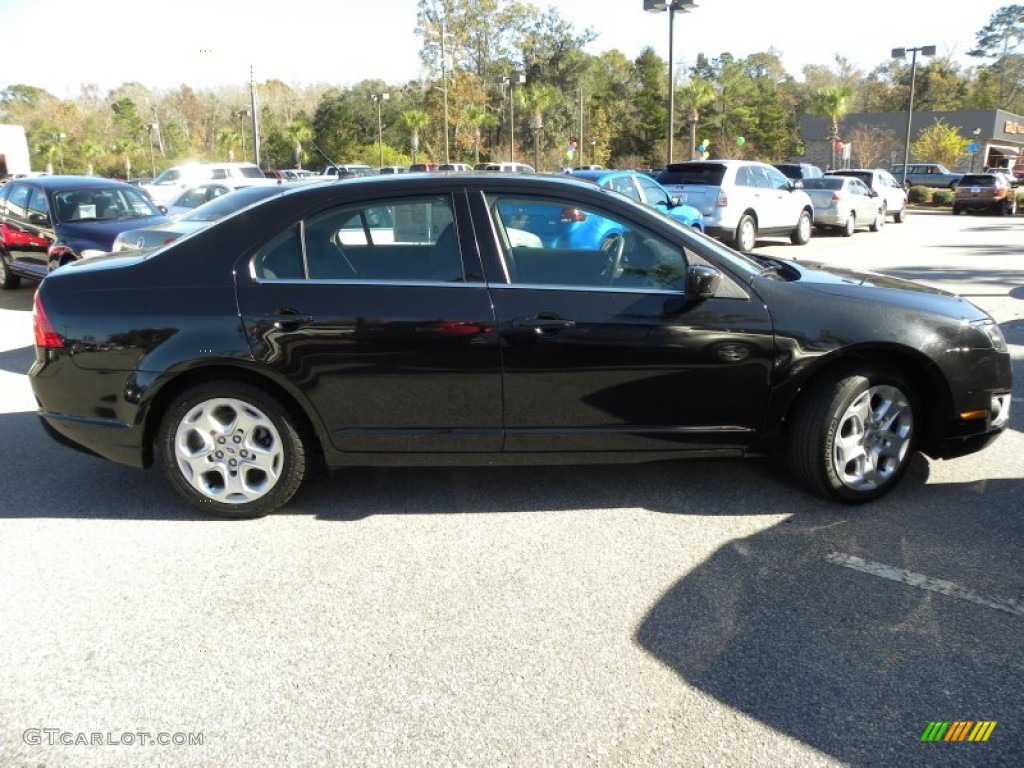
(232,449)
(848,228)
(746,234)
(853,434)
(900,215)
(802,234)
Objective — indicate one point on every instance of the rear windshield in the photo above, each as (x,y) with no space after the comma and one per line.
(231,202)
(977,180)
(829,182)
(865,177)
(693,173)
(251,172)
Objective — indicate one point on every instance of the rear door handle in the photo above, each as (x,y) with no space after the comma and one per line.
(288,319)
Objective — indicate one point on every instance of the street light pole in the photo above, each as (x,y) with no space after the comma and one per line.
(380,97)
(512,80)
(672,6)
(901,53)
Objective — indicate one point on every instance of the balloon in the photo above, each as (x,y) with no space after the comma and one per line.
(740,141)
(705,156)
(572,144)
(706,143)
(701,148)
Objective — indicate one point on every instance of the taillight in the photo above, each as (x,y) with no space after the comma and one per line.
(723,200)
(45,335)
(572,215)
(836,197)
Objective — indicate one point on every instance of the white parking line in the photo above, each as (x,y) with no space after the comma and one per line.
(949,588)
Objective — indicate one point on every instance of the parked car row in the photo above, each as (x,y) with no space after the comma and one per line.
(337,320)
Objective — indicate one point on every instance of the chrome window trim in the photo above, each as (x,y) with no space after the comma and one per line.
(403,283)
(586,288)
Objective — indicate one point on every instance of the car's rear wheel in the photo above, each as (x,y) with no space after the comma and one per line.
(853,434)
(900,215)
(957,210)
(746,234)
(1009,207)
(232,449)
(802,234)
(879,221)
(851,224)
(7,280)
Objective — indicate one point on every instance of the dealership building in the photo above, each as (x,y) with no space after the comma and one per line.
(996,138)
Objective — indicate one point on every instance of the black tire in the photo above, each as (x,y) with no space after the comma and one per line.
(956,210)
(746,234)
(802,234)
(7,280)
(848,228)
(238,435)
(1009,207)
(879,221)
(853,433)
(900,215)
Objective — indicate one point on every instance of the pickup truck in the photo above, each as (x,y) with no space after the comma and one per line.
(927,175)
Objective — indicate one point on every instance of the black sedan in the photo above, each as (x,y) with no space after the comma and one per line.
(415,319)
(49,221)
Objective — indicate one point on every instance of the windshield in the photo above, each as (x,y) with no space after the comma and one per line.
(826,183)
(103,204)
(693,173)
(229,203)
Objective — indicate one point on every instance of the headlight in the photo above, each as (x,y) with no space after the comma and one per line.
(991,329)
(90,253)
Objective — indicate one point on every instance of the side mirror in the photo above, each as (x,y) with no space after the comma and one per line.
(674,202)
(162,209)
(797,184)
(39,219)
(702,282)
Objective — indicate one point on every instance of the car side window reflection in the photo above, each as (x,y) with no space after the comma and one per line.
(559,243)
(405,241)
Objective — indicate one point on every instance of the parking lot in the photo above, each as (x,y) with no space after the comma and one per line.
(700,613)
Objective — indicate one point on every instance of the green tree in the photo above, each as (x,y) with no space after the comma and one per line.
(298,132)
(832,102)
(940,143)
(693,97)
(227,140)
(538,98)
(415,120)
(477,118)
(1001,40)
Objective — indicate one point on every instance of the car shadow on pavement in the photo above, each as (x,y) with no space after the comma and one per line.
(17,360)
(43,479)
(851,664)
(18,299)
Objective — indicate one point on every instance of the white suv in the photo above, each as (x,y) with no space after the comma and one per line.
(174,181)
(742,199)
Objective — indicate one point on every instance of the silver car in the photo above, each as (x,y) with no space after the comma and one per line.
(885,184)
(845,203)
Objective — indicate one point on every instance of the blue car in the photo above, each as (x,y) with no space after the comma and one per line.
(50,221)
(646,190)
(536,224)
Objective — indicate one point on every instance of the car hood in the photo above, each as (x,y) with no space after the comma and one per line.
(831,280)
(99,235)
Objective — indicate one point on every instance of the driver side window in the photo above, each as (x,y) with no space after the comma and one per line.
(550,242)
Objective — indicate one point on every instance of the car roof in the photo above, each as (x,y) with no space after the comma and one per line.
(51,183)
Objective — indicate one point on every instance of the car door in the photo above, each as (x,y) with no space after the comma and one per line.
(27,229)
(603,352)
(865,206)
(786,206)
(376,310)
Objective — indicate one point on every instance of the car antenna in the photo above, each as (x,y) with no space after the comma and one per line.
(323,154)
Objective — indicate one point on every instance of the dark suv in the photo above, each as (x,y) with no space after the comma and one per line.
(48,221)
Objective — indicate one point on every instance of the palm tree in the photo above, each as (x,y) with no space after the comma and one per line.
(227,138)
(538,99)
(415,120)
(89,151)
(693,96)
(297,132)
(477,118)
(831,101)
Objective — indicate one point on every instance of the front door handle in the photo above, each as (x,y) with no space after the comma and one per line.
(543,323)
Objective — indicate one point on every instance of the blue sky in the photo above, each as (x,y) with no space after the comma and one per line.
(62,44)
